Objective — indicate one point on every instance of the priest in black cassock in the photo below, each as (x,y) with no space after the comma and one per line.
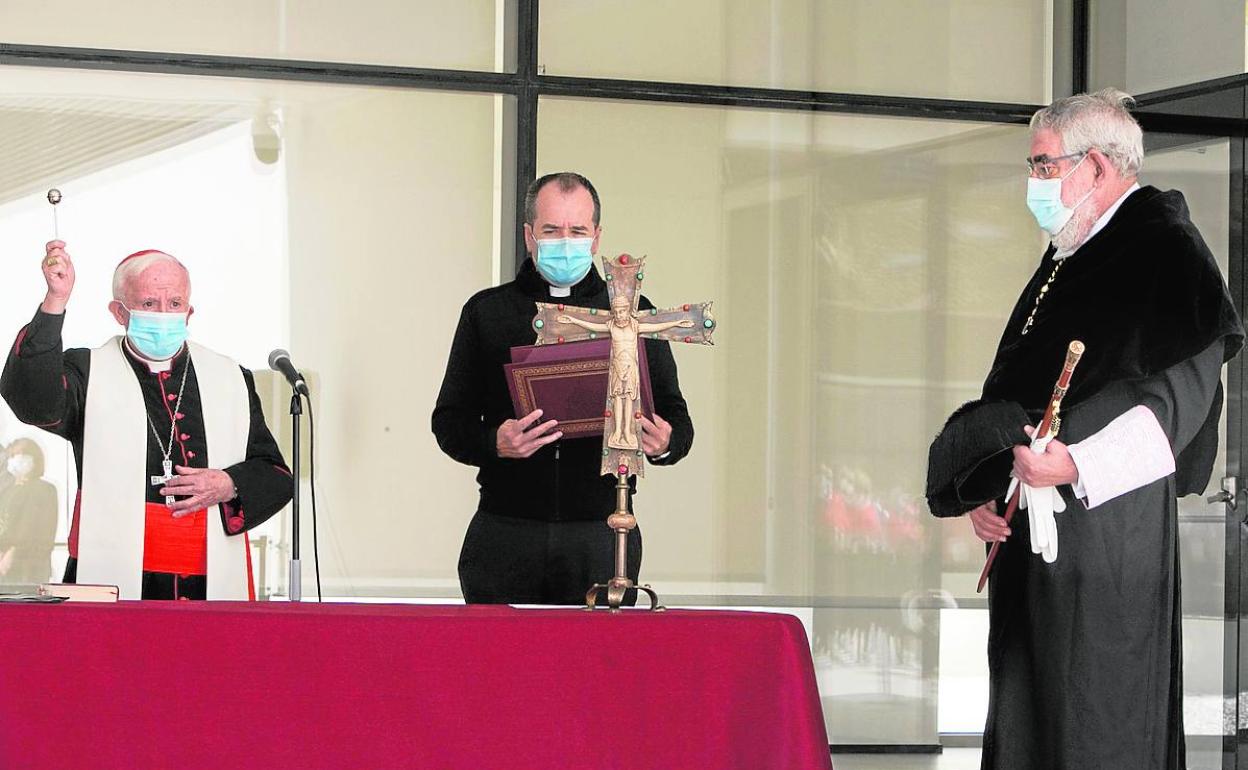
(539,535)
(175,463)
(1085,639)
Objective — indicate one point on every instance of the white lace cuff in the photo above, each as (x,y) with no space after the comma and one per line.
(1129,453)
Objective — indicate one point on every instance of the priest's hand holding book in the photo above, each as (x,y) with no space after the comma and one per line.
(656,435)
(518,439)
(58,272)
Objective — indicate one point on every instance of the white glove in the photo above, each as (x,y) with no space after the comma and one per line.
(1041,503)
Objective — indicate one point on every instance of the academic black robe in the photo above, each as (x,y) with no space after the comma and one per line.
(1084,654)
(47,387)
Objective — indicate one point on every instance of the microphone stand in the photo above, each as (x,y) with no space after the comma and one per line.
(296,576)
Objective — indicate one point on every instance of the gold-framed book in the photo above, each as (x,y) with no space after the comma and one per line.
(569,383)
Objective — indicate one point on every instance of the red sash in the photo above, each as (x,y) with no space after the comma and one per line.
(176,545)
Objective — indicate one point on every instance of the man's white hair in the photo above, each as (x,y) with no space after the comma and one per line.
(1100,121)
(132,266)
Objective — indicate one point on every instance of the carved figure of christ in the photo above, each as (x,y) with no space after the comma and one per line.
(558,323)
(624,383)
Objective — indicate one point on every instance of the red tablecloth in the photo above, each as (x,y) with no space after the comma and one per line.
(266,685)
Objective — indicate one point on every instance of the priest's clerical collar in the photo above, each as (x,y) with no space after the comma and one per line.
(561,291)
(155,367)
(1100,223)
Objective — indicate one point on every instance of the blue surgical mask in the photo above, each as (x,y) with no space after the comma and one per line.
(563,262)
(156,336)
(1044,198)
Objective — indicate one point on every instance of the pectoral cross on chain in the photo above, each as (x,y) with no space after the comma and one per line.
(556,324)
(160,481)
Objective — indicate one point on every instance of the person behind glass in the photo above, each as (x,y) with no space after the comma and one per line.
(1085,642)
(539,535)
(6,478)
(174,461)
(27,517)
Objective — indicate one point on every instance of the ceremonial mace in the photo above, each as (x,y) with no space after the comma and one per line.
(1049,425)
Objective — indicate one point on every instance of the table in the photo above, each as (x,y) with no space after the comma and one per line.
(276,685)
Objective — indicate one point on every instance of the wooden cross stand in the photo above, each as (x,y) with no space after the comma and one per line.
(622,454)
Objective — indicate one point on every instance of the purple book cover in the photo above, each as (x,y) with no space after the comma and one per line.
(568,382)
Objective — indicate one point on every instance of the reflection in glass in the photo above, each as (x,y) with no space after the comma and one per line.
(863,269)
(27,516)
(1200,169)
(962,49)
(1143,47)
(451,34)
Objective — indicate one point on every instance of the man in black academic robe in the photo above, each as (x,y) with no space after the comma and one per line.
(539,535)
(46,386)
(1085,650)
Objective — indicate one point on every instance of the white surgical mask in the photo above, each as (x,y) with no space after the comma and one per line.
(20,465)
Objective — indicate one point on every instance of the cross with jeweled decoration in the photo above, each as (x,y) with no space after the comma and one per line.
(621,446)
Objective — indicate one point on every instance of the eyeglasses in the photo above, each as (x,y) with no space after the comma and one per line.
(1043,167)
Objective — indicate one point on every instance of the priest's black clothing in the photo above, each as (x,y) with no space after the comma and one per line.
(46,387)
(539,534)
(1085,653)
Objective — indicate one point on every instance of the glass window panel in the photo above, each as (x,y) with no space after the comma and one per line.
(312,217)
(1200,169)
(452,34)
(991,50)
(862,270)
(1141,47)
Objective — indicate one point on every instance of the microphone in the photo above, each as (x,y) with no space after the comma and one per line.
(279,361)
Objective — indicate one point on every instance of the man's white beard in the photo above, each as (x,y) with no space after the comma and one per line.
(1075,232)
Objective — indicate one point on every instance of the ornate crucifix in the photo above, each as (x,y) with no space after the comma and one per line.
(622,454)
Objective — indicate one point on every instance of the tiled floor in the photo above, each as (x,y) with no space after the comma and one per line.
(968,759)
(951,759)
